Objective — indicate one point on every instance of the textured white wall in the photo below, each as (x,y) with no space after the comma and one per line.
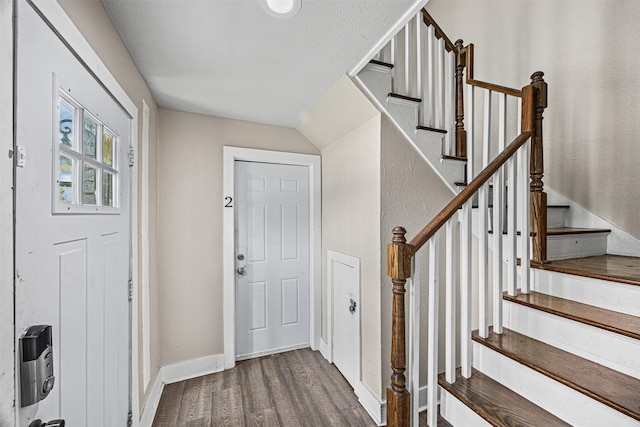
(586,51)
(190,224)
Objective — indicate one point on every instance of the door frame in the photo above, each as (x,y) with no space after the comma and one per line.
(60,23)
(230,155)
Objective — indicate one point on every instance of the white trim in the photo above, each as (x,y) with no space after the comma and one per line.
(56,18)
(395,29)
(7,326)
(178,372)
(270,352)
(192,368)
(325,350)
(230,155)
(144,250)
(153,401)
(371,403)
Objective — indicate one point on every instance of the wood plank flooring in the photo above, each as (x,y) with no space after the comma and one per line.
(498,405)
(606,385)
(613,321)
(298,388)
(618,268)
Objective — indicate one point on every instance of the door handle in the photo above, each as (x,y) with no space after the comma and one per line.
(241,271)
(52,423)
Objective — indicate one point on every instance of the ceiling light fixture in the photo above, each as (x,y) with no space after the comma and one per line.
(281,8)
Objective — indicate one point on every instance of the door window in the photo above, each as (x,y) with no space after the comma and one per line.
(86,171)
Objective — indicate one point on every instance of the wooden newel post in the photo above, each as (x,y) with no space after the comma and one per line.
(536,169)
(461,133)
(399,269)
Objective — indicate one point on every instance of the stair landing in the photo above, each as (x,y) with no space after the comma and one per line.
(617,268)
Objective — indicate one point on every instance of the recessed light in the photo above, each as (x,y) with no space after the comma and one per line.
(281,8)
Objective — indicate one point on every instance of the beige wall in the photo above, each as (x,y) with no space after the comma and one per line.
(96,27)
(190,239)
(350,225)
(586,51)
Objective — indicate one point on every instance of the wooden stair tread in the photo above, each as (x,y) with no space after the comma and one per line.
(612,321)
(458,159)
(497,404)
(616,268)
(431,129)
(558,206)
(404,97)
(610,387)
(382,63)
(574,230)
(441,421)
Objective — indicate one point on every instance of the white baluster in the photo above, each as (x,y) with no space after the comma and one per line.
(465,290)
(432,335)
(498,211)
(419,46)
(525,240)
(512,238)
(413,363)
(483,240)
(407,59)
(451,104)
(394,60)
(431,77)
(451,299)
(440,123)
(470,109)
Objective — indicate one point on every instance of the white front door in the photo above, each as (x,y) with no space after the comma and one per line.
(272,258)
(72,230)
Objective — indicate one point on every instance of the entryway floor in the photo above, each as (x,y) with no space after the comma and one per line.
(297,388)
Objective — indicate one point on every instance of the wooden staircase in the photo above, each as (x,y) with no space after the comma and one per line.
(561,349)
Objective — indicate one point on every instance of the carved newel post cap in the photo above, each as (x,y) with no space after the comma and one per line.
(398,235)
(459,43)
(537,77)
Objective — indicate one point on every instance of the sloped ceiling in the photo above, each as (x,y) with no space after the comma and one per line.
(229,58)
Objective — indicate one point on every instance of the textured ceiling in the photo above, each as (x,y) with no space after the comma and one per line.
(229,58)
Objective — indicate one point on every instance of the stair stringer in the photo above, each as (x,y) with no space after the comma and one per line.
(375,82)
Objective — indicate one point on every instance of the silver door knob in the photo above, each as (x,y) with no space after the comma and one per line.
(240,257)
(241,271)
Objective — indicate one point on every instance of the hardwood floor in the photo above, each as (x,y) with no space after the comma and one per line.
(298,388)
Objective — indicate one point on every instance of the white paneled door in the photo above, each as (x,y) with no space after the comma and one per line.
(272,258)
(72,231)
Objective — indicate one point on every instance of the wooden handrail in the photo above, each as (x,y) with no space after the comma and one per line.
(478,83)
(439,33)
(445,214)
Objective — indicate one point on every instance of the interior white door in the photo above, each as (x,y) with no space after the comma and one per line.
(272,258)
(72,229)
(344,280)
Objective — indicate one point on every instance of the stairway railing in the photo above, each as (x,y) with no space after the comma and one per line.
(514,185)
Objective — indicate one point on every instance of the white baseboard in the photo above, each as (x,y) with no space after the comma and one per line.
(376,408)
(178,372)
(151,406)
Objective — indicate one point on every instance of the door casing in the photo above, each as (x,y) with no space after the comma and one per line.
(230,155)
(55,16)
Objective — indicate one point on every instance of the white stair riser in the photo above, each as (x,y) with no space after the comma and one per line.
(405,114)
(613,296)
(457,413)
(564,402)
(606,348)
(556,217)
(576,245)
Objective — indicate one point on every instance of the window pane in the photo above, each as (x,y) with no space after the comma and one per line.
(107,189)
(89,188)
(89,137)
(65,133)
(107,148)
(65,180)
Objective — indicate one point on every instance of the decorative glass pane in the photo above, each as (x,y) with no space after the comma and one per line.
(89,137)
(107,189)
(67,116)
(89,188)
(107,148)
(65,180)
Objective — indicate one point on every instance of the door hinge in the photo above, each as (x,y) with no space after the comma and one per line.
(130,289)
(132,157)
(130,419)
